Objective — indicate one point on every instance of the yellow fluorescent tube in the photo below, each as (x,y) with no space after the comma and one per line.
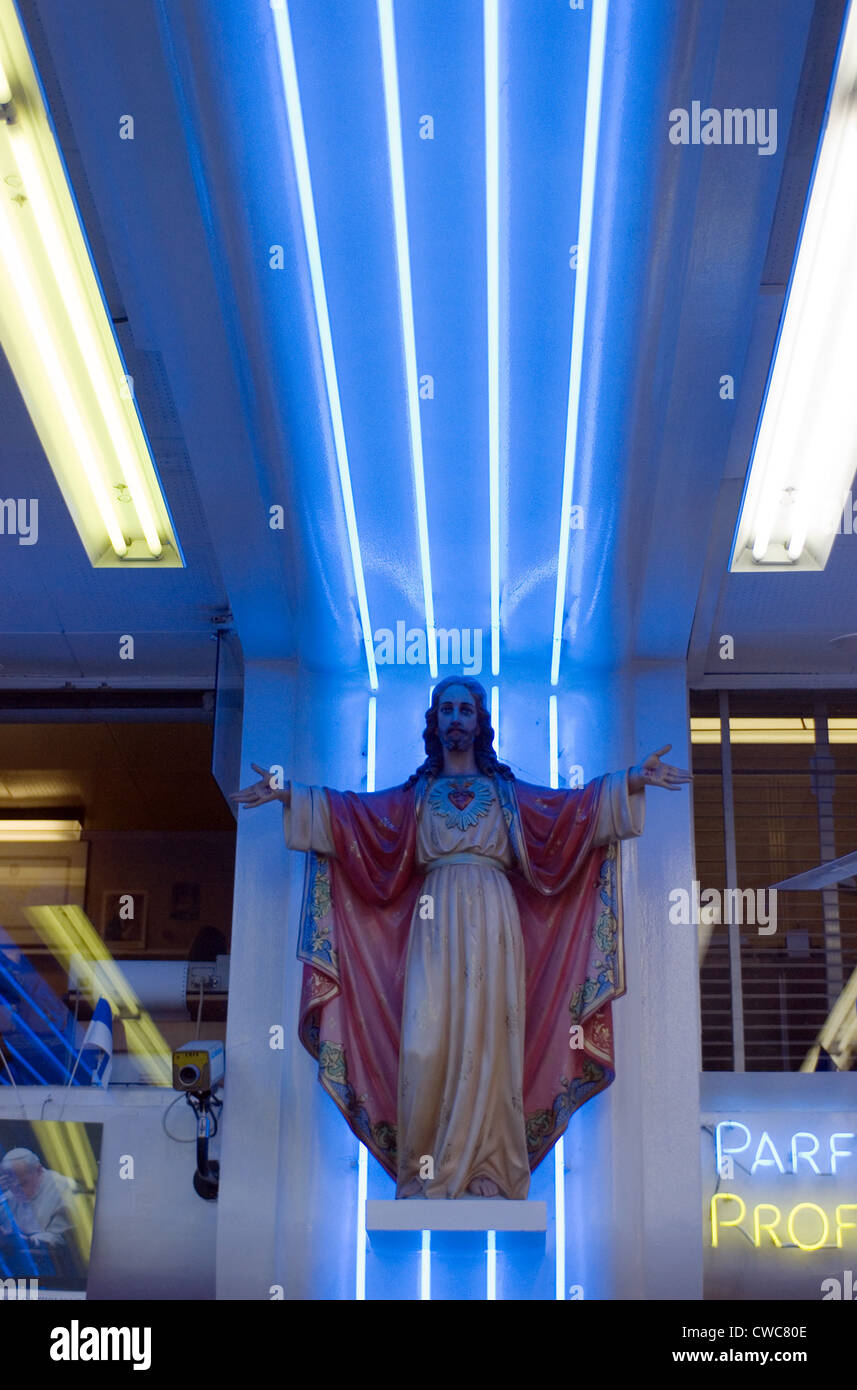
(70,290)
(58,337)
(72,939)
(21,283)
(33,830)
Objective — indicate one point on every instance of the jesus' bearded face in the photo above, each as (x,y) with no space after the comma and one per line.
(457,722)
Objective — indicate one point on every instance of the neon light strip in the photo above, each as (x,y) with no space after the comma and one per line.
(371,741)
(425,1267)
(597,33)
(387,30)
(425,1249)
(559,1147)
(491,1256)
(31,1004)
(492,258)
(299,151)
(362,1177)
(559,1214)
(41,1080)
(21,1252)
(18,1022)
(363,1152)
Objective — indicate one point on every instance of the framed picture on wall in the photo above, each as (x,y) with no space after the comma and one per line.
(184,902)
(123,919)
(48,1189)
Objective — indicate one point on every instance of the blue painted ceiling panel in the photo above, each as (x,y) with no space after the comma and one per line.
(188,214)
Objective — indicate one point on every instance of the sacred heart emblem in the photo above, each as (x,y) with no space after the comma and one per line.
(461,798)
(461,805)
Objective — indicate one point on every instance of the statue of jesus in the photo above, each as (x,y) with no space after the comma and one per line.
(462,943)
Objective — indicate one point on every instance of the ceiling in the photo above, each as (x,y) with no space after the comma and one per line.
(690,255)
(116,775)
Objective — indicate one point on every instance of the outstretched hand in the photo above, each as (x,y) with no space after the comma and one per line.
(260,792)
(653,773)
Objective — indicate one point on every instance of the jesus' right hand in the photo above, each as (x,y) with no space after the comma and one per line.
(262,792)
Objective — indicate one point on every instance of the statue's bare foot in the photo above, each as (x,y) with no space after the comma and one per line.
(484,1187)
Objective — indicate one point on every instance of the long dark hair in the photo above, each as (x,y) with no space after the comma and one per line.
(483,746)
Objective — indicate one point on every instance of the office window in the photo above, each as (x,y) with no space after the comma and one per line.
(774,799)
(116,875)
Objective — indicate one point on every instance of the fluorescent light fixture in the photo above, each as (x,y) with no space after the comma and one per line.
(495,716)
(294,112)
(387,30)
(592,121)
(788,730)
(5,89)
(59,340)
(805,451)
(842,731)
(492,259)
(32,831)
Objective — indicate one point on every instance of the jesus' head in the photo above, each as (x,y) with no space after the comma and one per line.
(458,721)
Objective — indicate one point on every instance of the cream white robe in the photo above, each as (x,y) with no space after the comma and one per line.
(461,1064)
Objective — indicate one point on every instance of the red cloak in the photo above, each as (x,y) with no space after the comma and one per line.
(355,922)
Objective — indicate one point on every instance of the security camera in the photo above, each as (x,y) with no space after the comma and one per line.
(198,1067)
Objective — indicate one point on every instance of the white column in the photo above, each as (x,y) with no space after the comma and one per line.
(656,1115)
(287,1202)
(633,1187)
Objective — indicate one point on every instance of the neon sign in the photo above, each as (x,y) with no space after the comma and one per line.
(773,1216)
(805,1225)
(767,1155)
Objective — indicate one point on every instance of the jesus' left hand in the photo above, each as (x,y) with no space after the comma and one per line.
(653,773)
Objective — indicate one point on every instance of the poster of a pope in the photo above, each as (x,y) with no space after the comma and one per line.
(461,936)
